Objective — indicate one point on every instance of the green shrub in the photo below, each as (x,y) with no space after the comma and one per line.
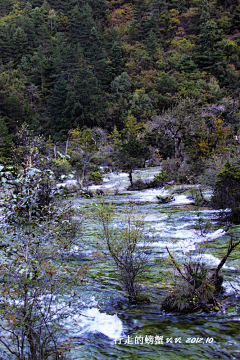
(202,225)
(194,289)
(171,168)
(212,166)
(197,196)
(131,260)
(60,167)
(139,184)
(227,190)
(165,199)
(96,177)
(159,179)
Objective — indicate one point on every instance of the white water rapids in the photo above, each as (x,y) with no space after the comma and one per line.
(177,233)
(172,225)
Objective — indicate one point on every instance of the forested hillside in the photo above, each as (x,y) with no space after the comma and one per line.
(95,63)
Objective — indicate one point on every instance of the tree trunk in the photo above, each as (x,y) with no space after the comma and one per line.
(216,278)
(130,177)
(32,345)
(66,149)
(177,150)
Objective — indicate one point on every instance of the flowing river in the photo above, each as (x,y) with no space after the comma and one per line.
(109,328)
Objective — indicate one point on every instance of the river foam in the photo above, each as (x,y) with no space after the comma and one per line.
(91,320)
(183,238)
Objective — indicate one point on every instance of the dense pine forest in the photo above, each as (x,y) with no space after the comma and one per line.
(93,63)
